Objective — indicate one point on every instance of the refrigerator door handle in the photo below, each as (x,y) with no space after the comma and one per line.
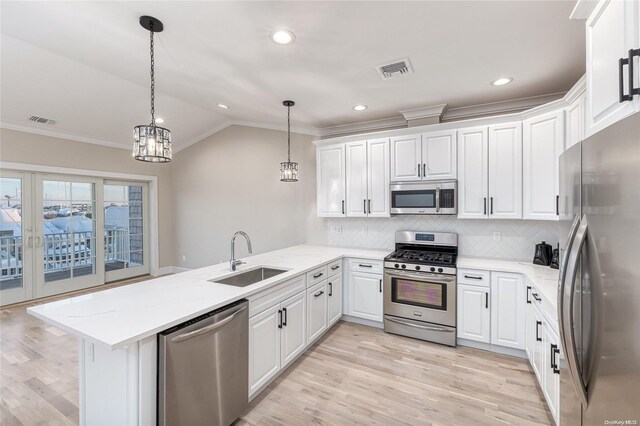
(562,279)
(568,323)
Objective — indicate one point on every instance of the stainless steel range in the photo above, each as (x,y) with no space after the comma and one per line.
(420,286)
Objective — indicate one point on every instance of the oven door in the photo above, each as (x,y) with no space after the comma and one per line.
(420,296)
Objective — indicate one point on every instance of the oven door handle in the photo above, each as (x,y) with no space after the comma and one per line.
(423,327)
(422,276)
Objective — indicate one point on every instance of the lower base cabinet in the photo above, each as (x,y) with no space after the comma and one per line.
(317,310)
(293,335)
(334,296)
(474,316)
(508,297)
(365,296)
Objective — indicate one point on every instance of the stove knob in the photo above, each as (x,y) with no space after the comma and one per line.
(439,269)
(404,266)
(417,268)
(396,266)
(432,269)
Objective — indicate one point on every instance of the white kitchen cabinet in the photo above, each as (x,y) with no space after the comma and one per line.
(474,317)
(490,172)
(264,348)
(294,328)
(356,181)
(330,176)
(537,362)
(611,30)
(505,171)
(367,178)
(529,332)
(439,155)
(575,127)
(365,295)
(334,295)
(406,158)
(473,174)
(543,142)
(316,310)
(508,300)
(551,372)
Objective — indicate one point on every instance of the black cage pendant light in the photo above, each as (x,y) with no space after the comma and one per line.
(288,170)
(150,142)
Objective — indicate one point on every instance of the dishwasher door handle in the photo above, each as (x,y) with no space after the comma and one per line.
(182,337)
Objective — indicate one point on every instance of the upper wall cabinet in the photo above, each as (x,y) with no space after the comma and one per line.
(490,172)
(330,182)
(367,178)
(575,121)
(612,30)
(430,156)
(543,142)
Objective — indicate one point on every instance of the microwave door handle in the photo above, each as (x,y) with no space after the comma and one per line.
(437,199)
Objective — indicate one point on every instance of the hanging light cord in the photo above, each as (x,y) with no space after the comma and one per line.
(153,97)
(289,134)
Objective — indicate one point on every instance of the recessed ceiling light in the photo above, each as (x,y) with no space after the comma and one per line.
(283,37)
(223,106)
(360,107)
(502,81)
(159,120)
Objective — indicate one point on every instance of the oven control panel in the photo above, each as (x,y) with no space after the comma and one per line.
(420,268)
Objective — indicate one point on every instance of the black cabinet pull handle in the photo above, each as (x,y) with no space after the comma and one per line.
(318,294)
(473,277)
(279,318)
(342,206)
(330,289)
(364,265)
(491,205)
(557,205)
(528,290)
(364,208)
(318,275)
(538,324)
(381,286)
(485,205)
(486,300)
(333,268)
(554,361)
(535,296)
(369,205)
(284,311)
(622,96)
(424,173)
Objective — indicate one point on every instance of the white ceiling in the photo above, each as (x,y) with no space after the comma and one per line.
(86,64)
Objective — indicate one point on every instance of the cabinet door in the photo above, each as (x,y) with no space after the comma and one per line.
(529,329)
(378,177)
(334,294)
(505,171)
(611,32)
(264,348)
(543,142)
(439,155)
(474,313)
(406,158)
(365,296)
(330,173)
(356,172)
(538,345)
(508,299)
(473,162)
(551,378)
(294,328)
(575,122)
(316,310)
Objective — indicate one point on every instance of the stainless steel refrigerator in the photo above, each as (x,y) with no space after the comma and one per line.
(599,286)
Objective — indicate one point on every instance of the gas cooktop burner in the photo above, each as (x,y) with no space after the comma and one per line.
(422,257)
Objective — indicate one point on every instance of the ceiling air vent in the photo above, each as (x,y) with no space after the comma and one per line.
(394,69)
(42,120)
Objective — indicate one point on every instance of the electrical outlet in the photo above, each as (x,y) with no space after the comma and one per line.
(497,236)
(184,258)
(364,230)
(339,229)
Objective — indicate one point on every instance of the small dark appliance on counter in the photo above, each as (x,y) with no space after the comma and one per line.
(543,254)
(555,258)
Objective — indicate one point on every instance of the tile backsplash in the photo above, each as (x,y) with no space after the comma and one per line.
(475,237)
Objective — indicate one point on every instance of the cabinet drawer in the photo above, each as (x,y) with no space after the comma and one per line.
(264,300)
(316,275)
(365,265)
(474,277)
(335,268)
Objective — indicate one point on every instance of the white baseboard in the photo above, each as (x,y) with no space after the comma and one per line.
(356,320)
(170,270)
(493,348)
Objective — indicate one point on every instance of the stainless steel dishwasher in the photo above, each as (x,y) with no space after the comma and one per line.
(203,369)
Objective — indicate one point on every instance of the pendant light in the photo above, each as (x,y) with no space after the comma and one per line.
(150,142)
(288,170)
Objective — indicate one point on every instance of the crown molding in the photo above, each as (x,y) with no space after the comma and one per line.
(364,126)
(10,125)
(577,90)
(502,107)
(583,9)
(304,130)
(424,112)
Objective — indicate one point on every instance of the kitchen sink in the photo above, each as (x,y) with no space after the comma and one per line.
(252,276)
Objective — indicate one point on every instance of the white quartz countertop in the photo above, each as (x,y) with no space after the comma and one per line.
(119,316)
(543,278)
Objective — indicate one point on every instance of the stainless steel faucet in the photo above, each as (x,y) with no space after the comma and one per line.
(233,262)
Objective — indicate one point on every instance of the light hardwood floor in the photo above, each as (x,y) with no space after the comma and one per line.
(354,375)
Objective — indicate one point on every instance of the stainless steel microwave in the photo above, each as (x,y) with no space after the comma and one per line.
(435,197)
